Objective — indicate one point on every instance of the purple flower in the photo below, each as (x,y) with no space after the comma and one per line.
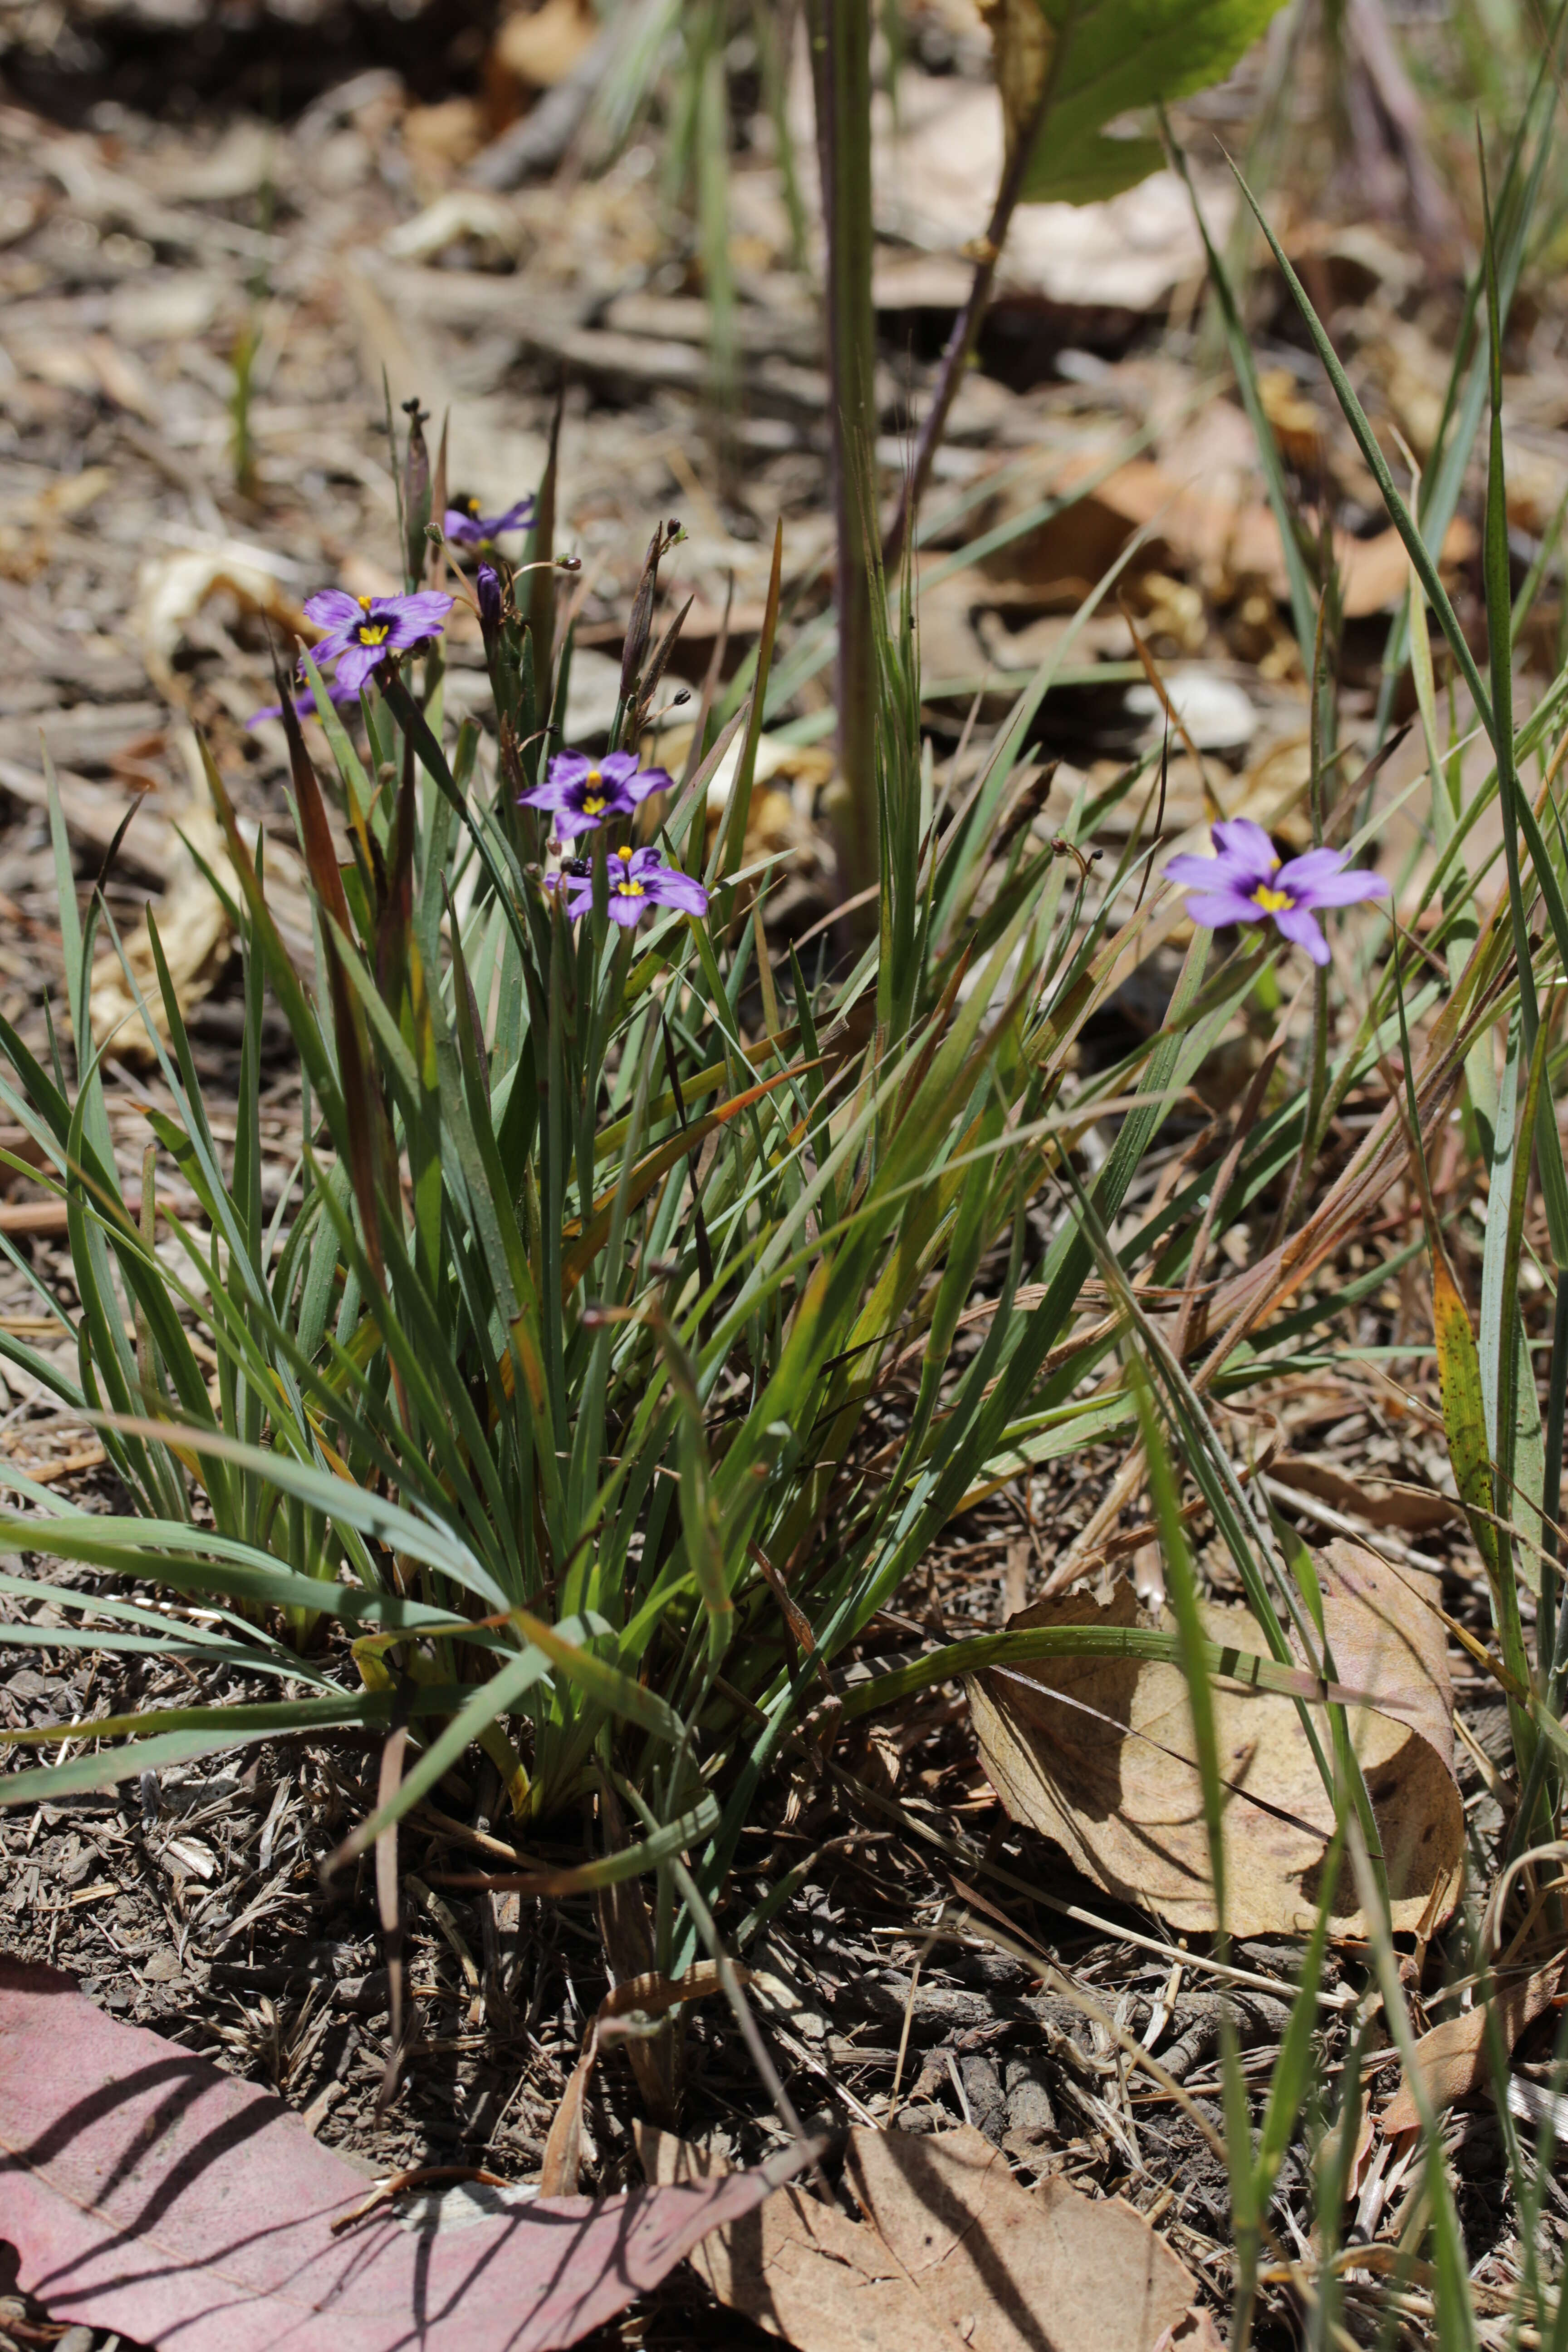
(338,695)
(638,880)
(487,585)
(362,630)
(1246,882)
(582,793)
(470,528)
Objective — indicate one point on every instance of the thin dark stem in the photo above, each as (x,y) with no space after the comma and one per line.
(840,31)
(965,328)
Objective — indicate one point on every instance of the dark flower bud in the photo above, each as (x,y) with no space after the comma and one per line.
(488,585)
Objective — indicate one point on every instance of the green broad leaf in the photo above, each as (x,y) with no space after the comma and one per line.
(1067,68)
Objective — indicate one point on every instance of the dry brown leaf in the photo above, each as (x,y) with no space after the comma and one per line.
(1099,1754)
(1382,1502)
(1208,531)
(1452,2058)
(443,137)
(652,1995)
(1297,427)
(171,589)
(952,2251)
(539,47)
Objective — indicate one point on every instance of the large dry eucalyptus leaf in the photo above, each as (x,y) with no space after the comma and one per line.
(146,2192)
(1099,1754)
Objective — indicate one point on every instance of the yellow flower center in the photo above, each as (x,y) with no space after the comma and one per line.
(364,603)
(373,633)
(625,853)
(1271,901)
(592,804)
(629,890)
(471,505)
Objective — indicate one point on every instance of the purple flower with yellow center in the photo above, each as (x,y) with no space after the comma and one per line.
(581,792)
(470,528)
(338,695)
(638,881)
(362,630)
(1248,882)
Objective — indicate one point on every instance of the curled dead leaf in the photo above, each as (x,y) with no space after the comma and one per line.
(1099,1754)
(952,2250)
(649,1995)
(1452,2058)
(171,589)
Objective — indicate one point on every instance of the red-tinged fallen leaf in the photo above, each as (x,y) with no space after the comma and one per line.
(146,2192)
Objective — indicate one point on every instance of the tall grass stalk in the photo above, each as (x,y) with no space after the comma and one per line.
(840,36)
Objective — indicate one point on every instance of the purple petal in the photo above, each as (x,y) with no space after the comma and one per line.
(1196,873)
(650,780)
(463,527)
(430,606)
(1214,910)
(355,665)
(669,888)
(542,796)
(627,912)
(412,618)
(569,821)
(1297,925)
(619,768)
(336,641)
(1314,865)
(568,768)
(1238,838)
(333,607)
(516,518)
(579,895)
(1343,890)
